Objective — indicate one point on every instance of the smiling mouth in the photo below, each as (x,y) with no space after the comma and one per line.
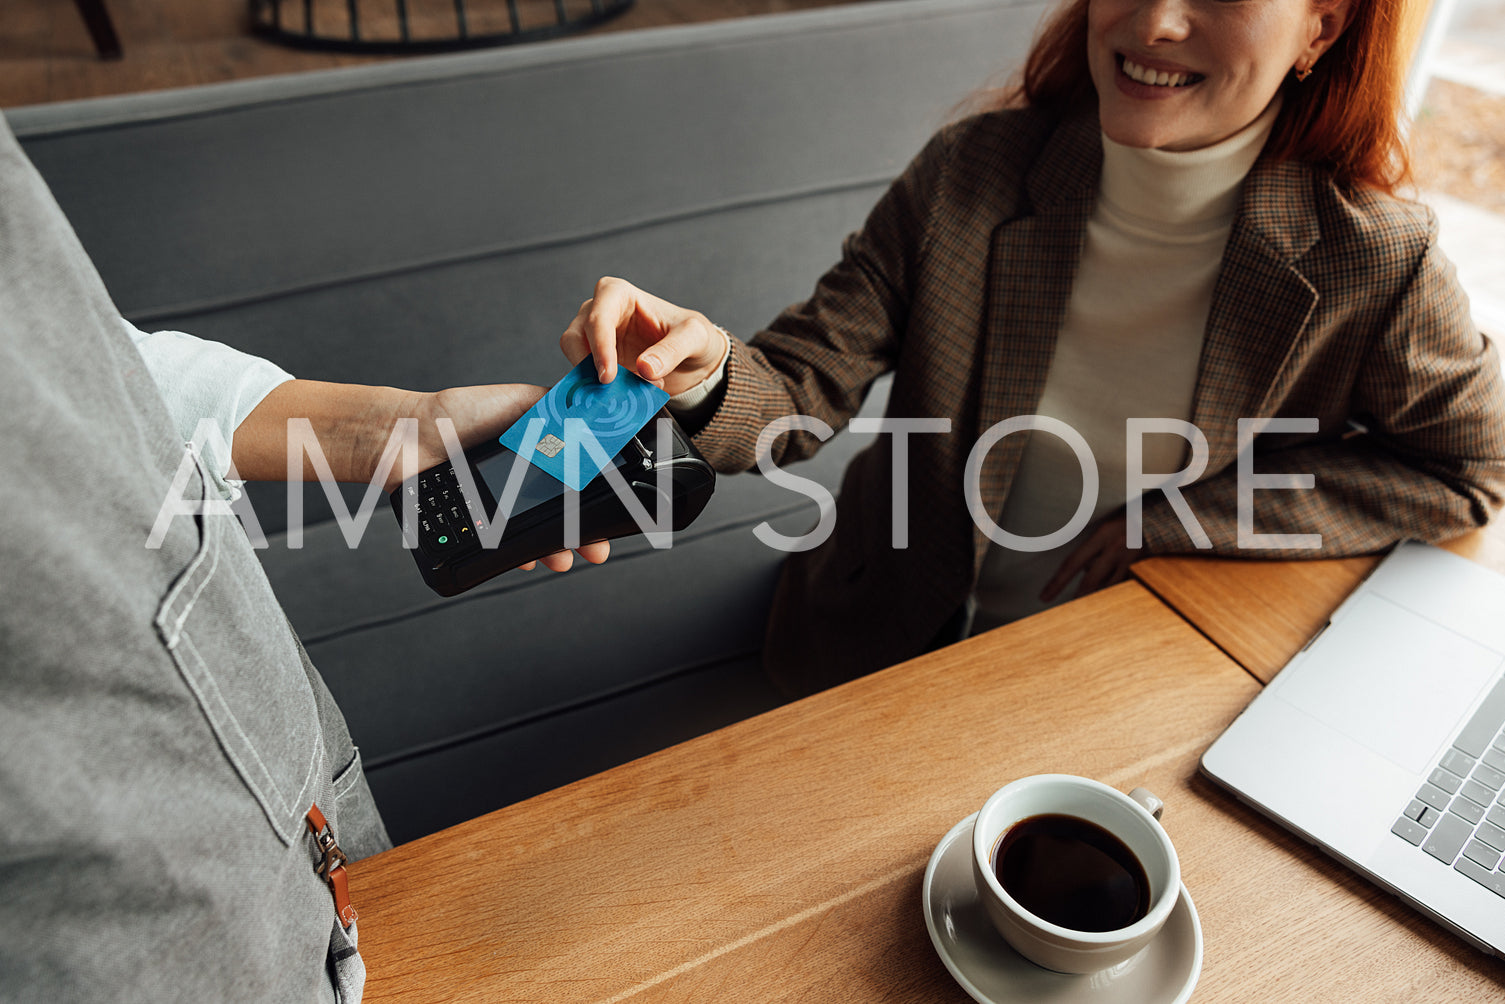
(1156,78)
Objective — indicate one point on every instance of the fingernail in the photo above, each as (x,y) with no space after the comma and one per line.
(648,365)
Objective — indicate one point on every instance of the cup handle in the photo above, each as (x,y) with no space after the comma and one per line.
(1153,805)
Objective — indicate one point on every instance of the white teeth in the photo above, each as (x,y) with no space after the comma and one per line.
(1145,75)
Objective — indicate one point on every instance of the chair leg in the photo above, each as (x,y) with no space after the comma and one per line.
(101,28)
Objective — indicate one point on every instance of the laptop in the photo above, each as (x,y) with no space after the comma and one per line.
(1383,740)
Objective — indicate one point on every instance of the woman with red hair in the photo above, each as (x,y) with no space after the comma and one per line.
(1172,255)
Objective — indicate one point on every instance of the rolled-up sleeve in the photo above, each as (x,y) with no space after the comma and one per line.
(206,380)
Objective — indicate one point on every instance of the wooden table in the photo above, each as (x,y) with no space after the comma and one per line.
(1262,612)
(780,859)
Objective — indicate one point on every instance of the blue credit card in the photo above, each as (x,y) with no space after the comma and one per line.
(581,423)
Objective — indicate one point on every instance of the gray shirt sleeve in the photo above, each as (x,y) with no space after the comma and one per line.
(209,388)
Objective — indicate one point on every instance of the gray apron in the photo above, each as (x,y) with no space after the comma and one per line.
(162,734)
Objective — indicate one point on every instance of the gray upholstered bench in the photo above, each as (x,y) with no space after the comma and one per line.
(437,222)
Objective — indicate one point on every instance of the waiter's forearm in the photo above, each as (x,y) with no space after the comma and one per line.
(352,423)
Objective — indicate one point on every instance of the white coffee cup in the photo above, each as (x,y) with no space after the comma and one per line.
(1132,818)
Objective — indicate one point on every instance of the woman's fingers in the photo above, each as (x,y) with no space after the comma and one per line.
(596,329)
(1069,567)
(623,325)
(686,346)
(618,322)
(1101,556)
(573,342)
(1109,564)
(605,318)
(1107,568)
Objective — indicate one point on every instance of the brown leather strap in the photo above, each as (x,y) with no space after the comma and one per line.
(332,868)
(339,883)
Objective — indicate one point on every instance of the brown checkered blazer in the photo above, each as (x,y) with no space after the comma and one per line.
(1329,304)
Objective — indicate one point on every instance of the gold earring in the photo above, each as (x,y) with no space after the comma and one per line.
(1301,75)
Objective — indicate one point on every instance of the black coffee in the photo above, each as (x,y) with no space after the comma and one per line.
(1072,873)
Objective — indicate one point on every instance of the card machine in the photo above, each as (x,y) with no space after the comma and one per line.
(450,554)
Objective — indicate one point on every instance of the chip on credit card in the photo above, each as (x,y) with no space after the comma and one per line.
(612,412)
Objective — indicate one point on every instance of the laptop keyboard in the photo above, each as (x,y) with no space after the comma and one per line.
(1458,816)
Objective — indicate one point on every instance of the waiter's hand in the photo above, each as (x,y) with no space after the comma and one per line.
(480,413)
(354,424)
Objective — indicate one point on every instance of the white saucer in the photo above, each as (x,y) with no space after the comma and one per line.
(993,973)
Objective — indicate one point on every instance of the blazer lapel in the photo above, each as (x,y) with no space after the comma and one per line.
(1032,262)
(1261,304)
(1260,308)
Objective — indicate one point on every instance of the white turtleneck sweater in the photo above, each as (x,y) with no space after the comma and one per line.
(1129,346)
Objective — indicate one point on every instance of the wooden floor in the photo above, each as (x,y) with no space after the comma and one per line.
(46,53)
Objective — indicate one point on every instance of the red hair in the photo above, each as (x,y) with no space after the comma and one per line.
(1345,118)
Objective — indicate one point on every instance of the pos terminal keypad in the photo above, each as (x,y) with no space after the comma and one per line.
(464,537)
(445,524)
